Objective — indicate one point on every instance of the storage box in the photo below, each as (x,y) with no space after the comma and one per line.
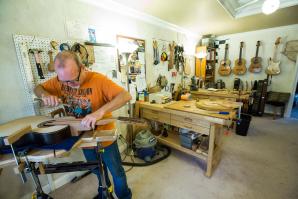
(187,138)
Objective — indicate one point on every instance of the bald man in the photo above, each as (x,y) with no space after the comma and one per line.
(90,96)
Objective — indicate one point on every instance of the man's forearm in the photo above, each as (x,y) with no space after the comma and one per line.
(120,100)
(39,91)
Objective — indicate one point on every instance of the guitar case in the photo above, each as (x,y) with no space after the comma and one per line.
(259,101)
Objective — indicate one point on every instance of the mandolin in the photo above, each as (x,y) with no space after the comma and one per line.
(273,65)
(256,62)
(225,65)
(240,68)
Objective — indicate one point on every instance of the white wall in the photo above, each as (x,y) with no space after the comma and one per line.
(283,82)
(47,19)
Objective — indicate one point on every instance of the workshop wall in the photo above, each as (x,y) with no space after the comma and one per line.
(48,19)
(283,82)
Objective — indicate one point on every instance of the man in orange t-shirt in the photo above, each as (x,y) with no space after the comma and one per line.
(90,96)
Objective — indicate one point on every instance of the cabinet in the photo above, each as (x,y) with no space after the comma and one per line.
(205,67)
(175,114)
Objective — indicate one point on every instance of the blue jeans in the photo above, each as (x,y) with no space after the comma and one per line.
(111,160)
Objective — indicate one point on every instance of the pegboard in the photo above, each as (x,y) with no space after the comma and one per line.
(28,67)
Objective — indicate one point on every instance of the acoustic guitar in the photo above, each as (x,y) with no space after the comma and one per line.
(225,65)
(42,130)
(256,62)
(273,65)
(240,68)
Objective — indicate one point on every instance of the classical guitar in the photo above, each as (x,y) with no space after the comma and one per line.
(42,130)
(273,65)
(225,65)
(256,62)
(240,68)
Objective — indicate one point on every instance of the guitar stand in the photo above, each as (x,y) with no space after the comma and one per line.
(36,169)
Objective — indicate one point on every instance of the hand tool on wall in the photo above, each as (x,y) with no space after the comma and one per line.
(155,53)
(82,52)
(51,67)
(36,54)
(171,58)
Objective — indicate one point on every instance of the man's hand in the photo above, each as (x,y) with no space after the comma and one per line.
(91,119)
(50,100)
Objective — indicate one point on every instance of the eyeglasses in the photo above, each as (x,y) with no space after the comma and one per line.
(71,81)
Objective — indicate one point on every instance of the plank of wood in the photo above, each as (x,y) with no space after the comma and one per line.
(217,105)
(210,151)
(190,107)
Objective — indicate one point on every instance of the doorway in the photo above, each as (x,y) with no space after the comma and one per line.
(294,112)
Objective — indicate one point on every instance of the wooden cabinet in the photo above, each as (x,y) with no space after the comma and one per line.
(204,124)
(205,67)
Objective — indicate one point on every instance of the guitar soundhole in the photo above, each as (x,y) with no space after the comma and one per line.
(45,124)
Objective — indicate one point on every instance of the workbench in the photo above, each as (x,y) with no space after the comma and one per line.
(184,114)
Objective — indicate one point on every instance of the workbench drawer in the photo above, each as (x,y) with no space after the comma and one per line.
(156,115)
(192,120)
(190,126)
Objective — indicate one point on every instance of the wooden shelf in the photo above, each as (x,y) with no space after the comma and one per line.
(173,141)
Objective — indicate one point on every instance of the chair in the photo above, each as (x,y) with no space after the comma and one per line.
(278,99)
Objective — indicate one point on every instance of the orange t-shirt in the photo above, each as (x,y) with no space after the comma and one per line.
(93,93)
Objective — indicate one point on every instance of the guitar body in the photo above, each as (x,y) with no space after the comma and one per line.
(256,65)
(273,68)
(239,68)
(40,135)
(273,64)
(225,68)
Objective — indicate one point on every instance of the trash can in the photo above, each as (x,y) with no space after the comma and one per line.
(242,124)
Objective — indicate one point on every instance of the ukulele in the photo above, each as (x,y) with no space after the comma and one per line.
(240,68)
(273,65)
(225,68)
(256,62)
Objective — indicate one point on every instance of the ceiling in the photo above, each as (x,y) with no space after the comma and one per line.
(212,17)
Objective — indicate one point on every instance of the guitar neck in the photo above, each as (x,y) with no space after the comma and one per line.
(257,51)
(240,55)
(275,53)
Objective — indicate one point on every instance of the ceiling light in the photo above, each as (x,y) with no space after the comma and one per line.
(270,6)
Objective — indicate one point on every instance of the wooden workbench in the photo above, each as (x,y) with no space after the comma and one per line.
(184,114)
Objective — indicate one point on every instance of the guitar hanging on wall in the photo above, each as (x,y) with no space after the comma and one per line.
(225,65)
(256,62)
(273,65)
(240,68)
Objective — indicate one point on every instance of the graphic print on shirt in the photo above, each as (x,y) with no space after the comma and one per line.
(78,101)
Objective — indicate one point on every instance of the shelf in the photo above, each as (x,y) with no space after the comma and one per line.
(173,141)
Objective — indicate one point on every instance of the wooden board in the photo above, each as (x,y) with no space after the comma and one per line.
(200,70)
(190,107)
(217,105)
(221,94)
